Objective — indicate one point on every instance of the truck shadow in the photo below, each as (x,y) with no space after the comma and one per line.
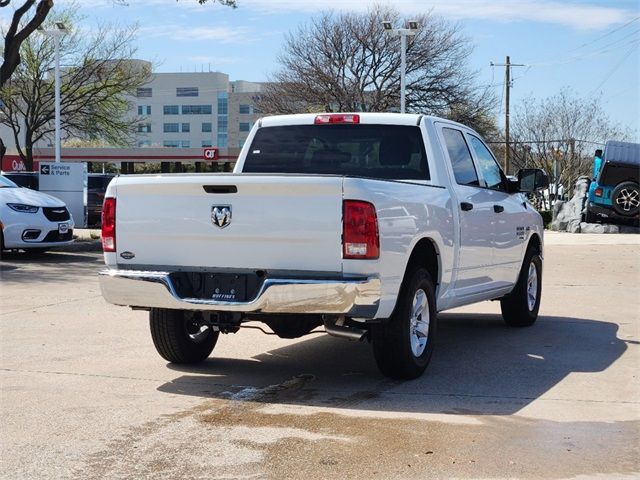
(480,366)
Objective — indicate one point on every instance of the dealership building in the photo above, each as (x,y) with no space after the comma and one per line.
(194,111)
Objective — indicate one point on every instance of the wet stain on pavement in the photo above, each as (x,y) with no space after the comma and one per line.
(239,437)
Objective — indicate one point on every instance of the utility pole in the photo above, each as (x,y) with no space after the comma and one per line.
(507,85)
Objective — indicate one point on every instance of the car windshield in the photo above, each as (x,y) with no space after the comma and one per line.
(6,183)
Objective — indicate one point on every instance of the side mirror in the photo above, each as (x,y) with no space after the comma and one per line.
(532,179)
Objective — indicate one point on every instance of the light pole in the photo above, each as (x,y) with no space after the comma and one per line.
(56,35)
(403,33)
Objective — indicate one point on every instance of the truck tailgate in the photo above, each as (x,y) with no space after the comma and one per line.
(277,222)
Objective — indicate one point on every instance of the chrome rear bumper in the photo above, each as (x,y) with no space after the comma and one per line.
(357,297)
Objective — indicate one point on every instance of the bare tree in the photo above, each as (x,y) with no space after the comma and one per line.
(563,127)
(17,33)
(96,87)
(346,62)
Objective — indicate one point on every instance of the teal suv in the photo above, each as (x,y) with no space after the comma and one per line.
(614,192)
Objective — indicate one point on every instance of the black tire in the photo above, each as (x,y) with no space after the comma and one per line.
(1,244)
(626,199)
(516,308)
(171,337)
(392,345)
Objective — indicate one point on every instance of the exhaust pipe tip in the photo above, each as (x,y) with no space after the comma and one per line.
(343,331)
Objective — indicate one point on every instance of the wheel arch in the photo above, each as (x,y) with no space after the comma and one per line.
(425,253)
(536,242)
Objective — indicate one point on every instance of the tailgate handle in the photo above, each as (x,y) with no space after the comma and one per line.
(220,188)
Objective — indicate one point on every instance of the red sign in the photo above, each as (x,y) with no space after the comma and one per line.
(210,153)
(13,163)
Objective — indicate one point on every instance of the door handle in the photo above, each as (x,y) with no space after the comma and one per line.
(466,206)
(498,208)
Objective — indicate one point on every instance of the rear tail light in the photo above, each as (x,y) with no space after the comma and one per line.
(333,118)
(360,238)
(598,192)
(109,225)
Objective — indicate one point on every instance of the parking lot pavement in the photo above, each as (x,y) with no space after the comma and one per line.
(84,394)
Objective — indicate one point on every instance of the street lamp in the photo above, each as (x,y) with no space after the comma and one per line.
(56,34)
(403,33)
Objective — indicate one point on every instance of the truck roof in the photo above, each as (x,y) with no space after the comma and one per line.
(365,118)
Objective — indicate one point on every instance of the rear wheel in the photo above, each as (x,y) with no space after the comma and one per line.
(520,308)
(404,344)
(180,336)
(626,199)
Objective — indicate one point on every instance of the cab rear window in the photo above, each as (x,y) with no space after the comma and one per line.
(373,151)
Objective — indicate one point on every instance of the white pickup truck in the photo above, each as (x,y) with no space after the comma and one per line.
(367,224)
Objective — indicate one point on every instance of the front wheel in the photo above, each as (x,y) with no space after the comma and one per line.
(180,336)
(520,308)
(404,344)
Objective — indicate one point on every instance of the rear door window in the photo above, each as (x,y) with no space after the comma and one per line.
(460,156)
(374,151)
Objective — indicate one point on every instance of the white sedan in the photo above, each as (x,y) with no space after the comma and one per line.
(32,220)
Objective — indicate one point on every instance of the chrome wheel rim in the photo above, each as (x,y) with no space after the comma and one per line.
(532,287)
(419,323)
(628,199)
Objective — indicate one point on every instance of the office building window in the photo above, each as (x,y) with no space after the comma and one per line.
(171,143)
(241,142)
(223,103)
(223,120)
(207,143)
(185,144)
(144,128)
(245,109)
(196,109)
(187,92)
(171,127)
(144,109)
(144,143)
(171,109)
(245,126)
(144,92)
(186,127)
(206,127)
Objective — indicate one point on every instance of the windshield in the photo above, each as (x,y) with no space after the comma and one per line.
(6,183)
(374,151)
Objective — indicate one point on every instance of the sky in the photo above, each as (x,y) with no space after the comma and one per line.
(591,47)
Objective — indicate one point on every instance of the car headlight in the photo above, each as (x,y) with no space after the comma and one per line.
(20,207)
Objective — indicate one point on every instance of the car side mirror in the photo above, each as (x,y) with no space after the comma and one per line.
(532,179)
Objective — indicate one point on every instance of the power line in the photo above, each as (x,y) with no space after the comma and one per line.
(625,55)
(594,53)
(610,32)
